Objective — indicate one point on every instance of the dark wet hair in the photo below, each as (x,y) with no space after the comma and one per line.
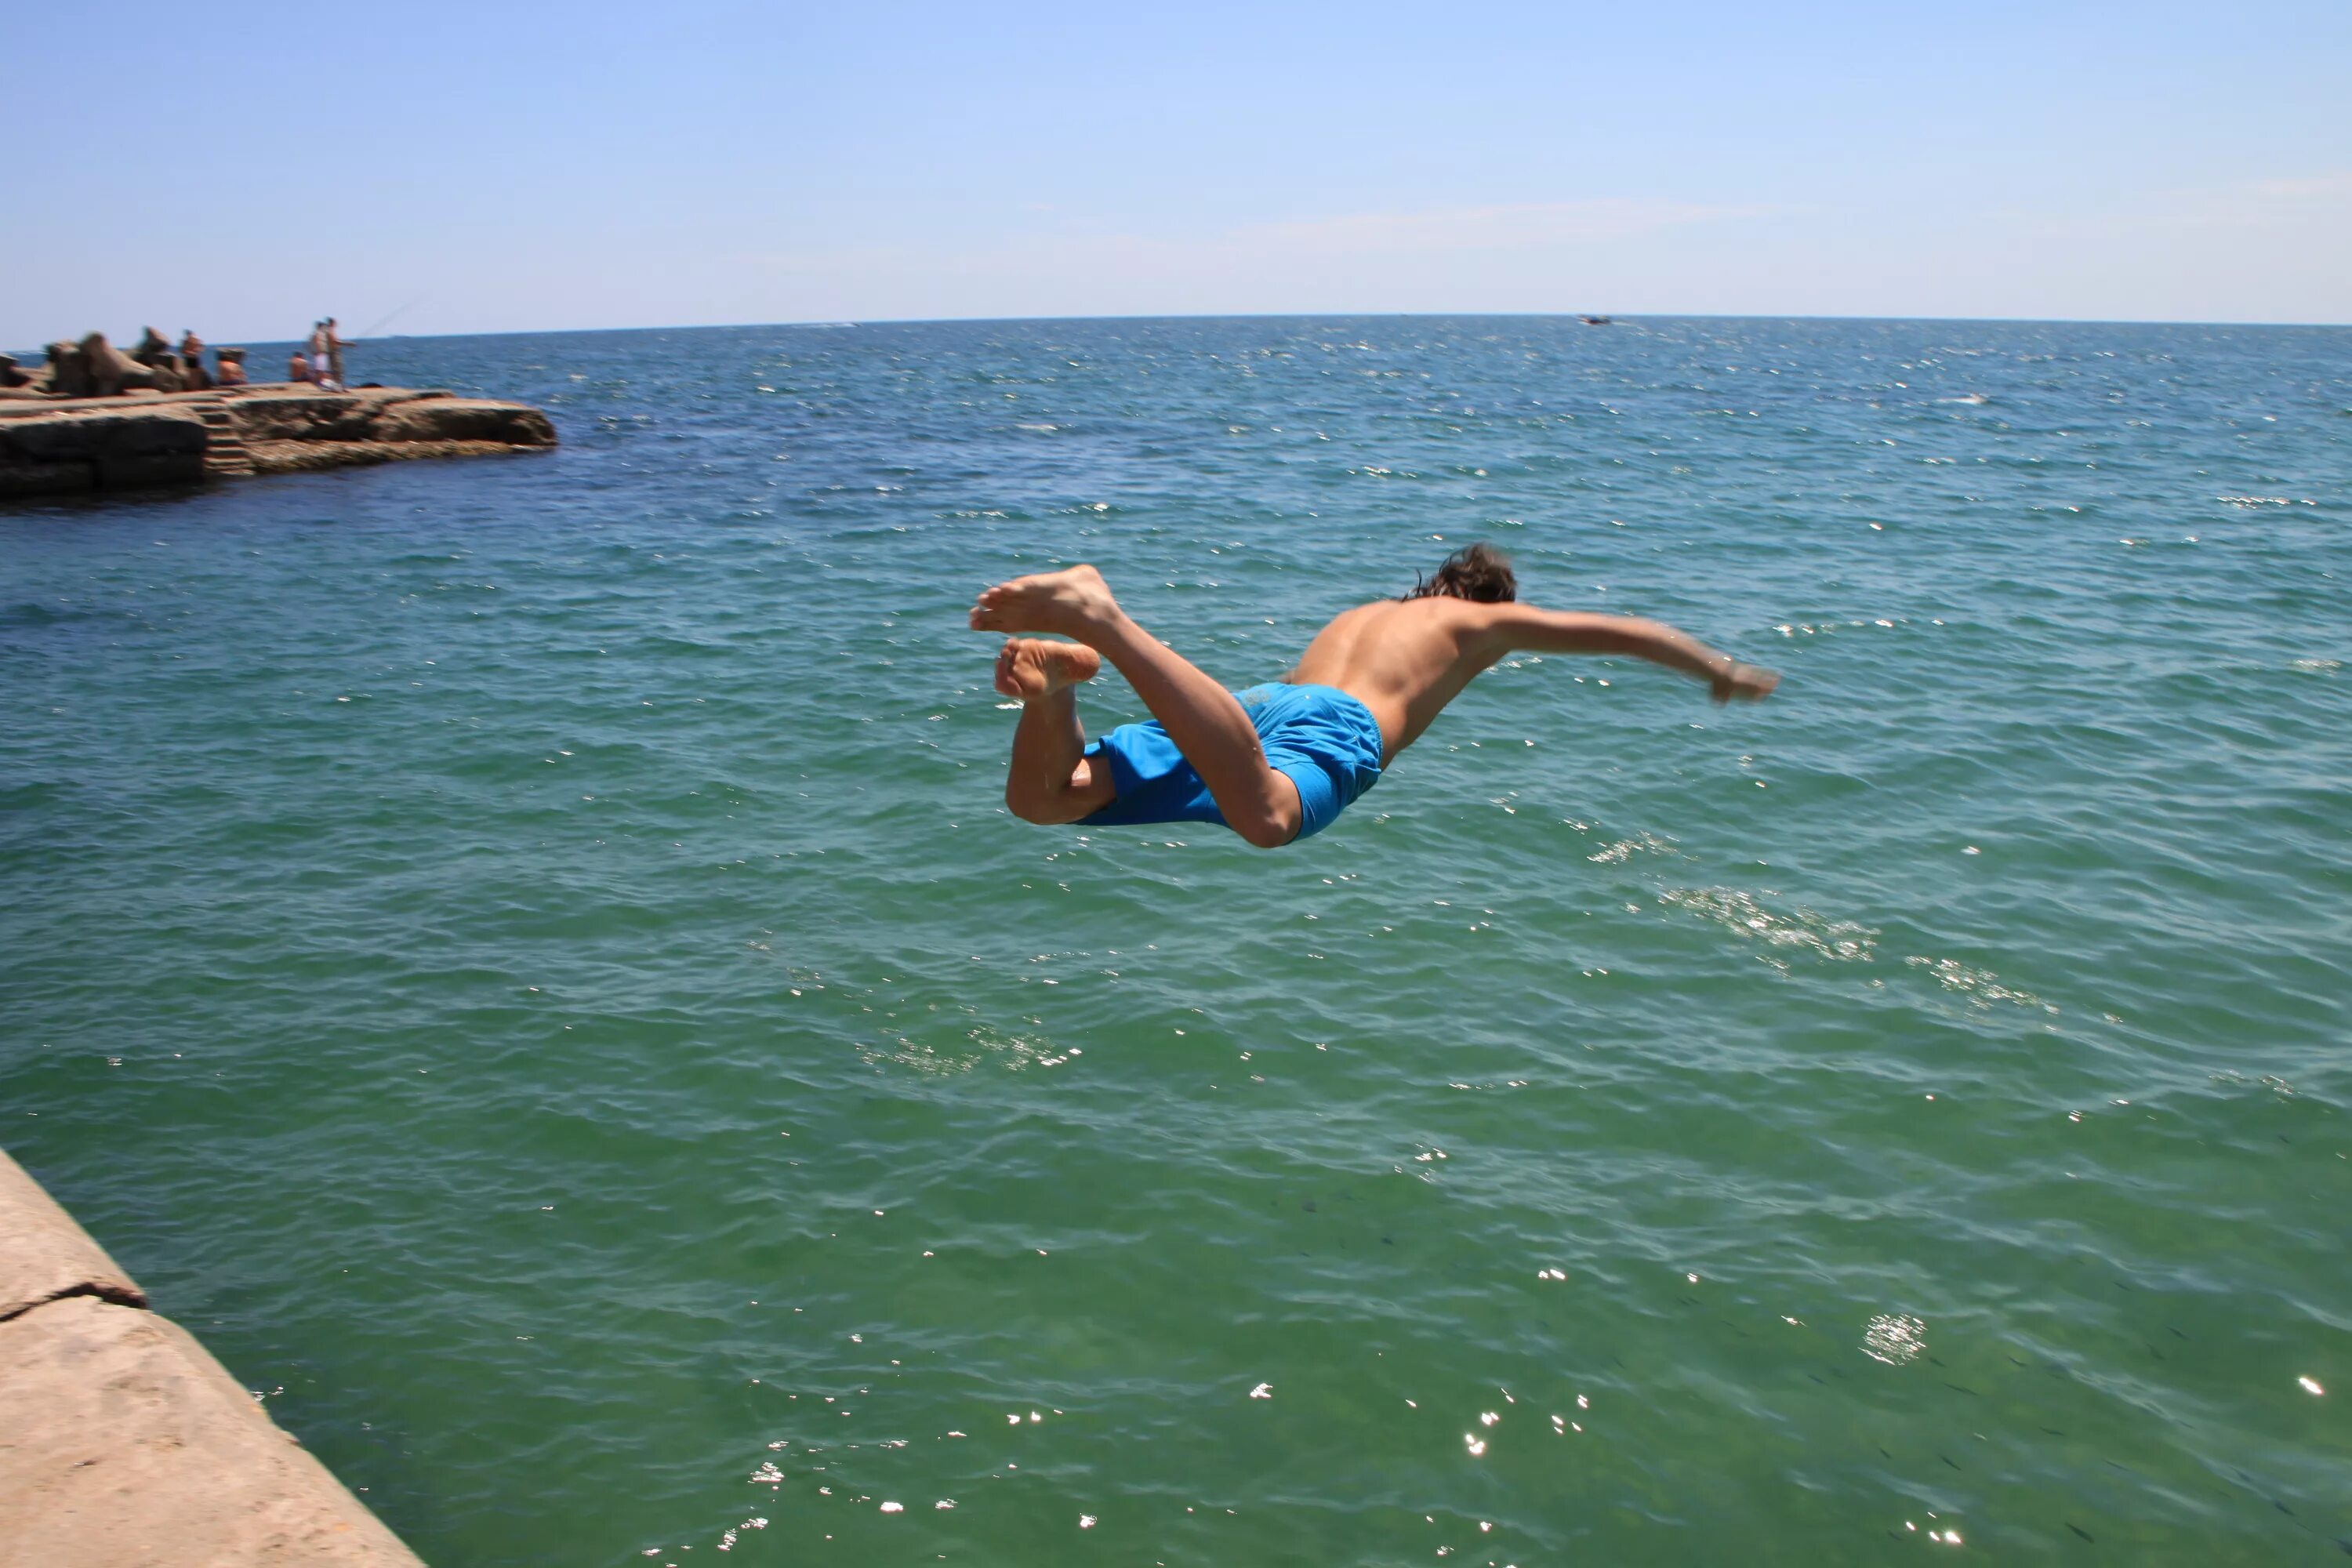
(1479,572)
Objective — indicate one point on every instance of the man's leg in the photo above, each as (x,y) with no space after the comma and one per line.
(1049,779)
(1201,716)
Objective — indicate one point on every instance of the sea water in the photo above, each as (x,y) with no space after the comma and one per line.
(527,958)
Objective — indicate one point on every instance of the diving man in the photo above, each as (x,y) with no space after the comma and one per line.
(1278,762)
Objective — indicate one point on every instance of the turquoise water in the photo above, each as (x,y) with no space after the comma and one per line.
(527,957)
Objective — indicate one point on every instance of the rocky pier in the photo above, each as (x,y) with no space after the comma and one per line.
(70,446)
(123,1443)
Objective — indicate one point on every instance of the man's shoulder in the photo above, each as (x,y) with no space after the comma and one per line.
(1438,607)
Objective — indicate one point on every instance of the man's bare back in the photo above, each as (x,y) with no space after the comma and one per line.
(1406,659)
(1400,661)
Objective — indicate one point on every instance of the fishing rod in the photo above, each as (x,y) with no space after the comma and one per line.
(397,315)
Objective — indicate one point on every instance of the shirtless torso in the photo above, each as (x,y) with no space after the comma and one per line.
(1402,661)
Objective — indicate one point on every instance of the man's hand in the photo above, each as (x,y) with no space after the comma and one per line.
(1747,682)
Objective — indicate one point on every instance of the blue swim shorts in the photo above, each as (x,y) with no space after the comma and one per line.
(1326,742)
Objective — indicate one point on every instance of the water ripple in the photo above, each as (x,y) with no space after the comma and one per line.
(530,960)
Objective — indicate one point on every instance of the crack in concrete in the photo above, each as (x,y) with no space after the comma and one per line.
(117,1294)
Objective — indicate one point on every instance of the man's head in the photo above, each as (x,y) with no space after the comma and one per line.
(1479,572)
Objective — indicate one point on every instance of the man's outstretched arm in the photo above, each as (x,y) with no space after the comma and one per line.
(1524,627)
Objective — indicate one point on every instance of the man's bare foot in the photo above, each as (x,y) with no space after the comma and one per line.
(1073,603)
(1744,682)
(1030,667)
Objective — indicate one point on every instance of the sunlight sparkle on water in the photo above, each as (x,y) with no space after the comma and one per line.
(760,680)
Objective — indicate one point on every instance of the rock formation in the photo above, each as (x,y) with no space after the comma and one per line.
(65,375)
(56,447)
(45,453)
(111,371)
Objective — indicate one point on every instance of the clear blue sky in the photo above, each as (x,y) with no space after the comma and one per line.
(485,167)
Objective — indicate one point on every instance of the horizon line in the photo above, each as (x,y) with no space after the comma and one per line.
(838,323)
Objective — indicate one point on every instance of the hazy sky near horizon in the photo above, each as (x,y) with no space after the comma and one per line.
(501,167)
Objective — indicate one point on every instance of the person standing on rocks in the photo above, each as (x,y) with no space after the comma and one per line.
(320,334)
(327,354)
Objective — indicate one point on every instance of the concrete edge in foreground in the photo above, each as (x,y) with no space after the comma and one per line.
(125,1442)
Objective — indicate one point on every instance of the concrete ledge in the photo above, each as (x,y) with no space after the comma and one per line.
(123,1444)
(45,1255)
(126,1443)
(311,457)
(65,446)
(123,448)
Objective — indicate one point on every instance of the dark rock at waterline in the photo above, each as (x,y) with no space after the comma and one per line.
(144,444)
(139,437)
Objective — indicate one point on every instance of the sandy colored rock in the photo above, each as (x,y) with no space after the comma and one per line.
(111,370)
(385,413)
(302,414)
(466,419)
(69,372)
(381,397)
(316,456)
(44,1255)
(146,429)
(144,397)
(126,1445)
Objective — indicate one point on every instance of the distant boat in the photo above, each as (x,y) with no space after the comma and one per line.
(1595,320)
